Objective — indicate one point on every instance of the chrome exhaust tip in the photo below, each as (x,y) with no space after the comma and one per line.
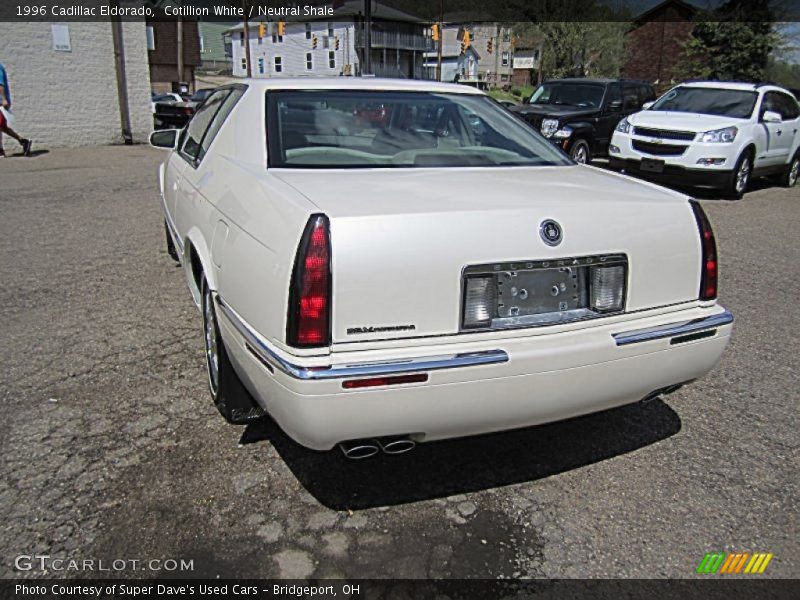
(359,449)
(397,445)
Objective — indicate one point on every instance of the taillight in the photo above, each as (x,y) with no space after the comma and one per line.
(309,318)
(710,266)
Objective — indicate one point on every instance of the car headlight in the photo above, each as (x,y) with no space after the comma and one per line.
(564,133)
(549,127)
(723,136)
(624,126)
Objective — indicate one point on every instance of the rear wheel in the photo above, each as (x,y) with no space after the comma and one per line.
(580,152)
(791,172)
(231,398)
(740,178)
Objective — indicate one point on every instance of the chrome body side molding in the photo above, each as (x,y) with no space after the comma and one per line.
(368,369)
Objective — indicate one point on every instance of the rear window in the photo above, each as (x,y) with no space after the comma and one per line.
(708,101)
(370,129)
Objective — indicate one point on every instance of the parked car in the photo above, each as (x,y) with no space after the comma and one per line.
(155,98)
(177,113)
(580,114)
(374,285)
(712,134)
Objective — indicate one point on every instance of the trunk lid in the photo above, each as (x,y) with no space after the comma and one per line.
(401,238)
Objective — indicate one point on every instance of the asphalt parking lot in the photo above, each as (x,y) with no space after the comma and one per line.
(110,447)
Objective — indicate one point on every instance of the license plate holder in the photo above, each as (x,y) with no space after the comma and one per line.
(652,165)
(541,291)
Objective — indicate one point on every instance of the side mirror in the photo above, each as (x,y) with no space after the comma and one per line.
(647,105)
(164,138)
(615,105)
(770,116)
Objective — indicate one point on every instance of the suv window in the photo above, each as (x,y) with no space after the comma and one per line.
(647,93)
(613,94)
(206,123)
(787,107)
(630,98)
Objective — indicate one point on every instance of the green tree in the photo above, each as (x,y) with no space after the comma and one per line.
(733,42)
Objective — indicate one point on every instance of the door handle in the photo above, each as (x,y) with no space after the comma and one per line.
(779,132)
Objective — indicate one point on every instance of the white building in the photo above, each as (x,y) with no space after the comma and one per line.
(63,81)
(335,46)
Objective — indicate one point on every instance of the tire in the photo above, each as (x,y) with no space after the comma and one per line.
(232,400)
(580,152)
(173,254)
(790,174)
(740,177)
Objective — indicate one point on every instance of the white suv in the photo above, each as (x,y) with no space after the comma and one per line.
(712,134)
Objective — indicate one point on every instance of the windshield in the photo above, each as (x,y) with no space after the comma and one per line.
(708,101)
(358,129)
(587,95)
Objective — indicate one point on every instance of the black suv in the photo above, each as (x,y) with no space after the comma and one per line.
(580,114)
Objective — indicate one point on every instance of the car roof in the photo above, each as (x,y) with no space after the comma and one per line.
(735,85)
(357,83)
(600,80)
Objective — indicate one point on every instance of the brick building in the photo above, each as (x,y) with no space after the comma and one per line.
(654,44)
(162,53)
(64,82)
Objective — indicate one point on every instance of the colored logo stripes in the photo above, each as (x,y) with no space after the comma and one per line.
(734,563)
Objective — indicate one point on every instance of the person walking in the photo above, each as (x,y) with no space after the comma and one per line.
(5,127)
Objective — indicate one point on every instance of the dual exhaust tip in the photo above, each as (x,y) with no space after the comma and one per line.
(359,449)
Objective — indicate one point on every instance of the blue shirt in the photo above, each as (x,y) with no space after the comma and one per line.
(4,83)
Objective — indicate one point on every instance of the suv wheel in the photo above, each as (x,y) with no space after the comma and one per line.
(740,178)
(790,174)
(580,152)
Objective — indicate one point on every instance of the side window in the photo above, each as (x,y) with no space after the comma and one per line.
(630,98)
(770,102)
(789,108)
(218,120)
(199,124)
(647,94)
(613,95)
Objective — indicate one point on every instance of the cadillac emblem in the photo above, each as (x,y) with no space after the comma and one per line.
(551,232)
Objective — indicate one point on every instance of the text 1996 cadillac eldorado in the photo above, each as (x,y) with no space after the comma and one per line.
(442,271)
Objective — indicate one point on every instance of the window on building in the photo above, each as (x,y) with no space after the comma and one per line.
(309,61)
(308,31)
(506,58)
(151,38)
(241,38)
(244,64)
(330,29)
(200,36)
(326,41)
(261,66)
(278,64)
(332,60)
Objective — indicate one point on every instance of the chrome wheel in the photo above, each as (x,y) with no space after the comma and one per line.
(212,346)
(743,176)
(794,171)
(580,153)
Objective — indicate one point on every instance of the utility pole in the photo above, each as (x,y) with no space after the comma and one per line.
(440,42)
(246,32)
(498,50)
(541,63)
(122,78)
(367,37)
(179,35)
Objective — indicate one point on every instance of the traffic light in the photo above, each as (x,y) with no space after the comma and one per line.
(314,41)
(489,46)
(281,28)
(262,30)
(336,45)
(435,32)
(466,41)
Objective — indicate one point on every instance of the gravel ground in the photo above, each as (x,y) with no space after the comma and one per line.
(110,447)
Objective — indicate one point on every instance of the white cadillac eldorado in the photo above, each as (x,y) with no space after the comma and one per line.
(381,263)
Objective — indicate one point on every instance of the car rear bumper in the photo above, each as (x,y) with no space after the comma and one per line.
(674,174)
(477,387)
